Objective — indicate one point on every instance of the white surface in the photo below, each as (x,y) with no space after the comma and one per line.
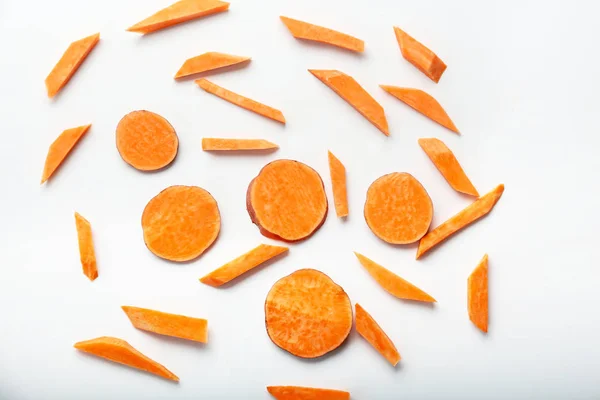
(521,85)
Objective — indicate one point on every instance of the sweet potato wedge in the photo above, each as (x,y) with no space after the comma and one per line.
(370,330)
(215,144)
(306,393)
(315,33)
(60,149)
(338,184)
(420,56)
(86,247)
(208,62)
(163,323)
(477,295)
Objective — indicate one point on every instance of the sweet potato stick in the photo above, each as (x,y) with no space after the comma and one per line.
(338,183)
(477,294)
(208,62)
(163,323)
(420,56)
(369,329)
(86,247)
(60,149)
(306,31)
(215,144)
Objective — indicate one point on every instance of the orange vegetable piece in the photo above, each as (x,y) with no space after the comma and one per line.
(306,393)
(287,201)
(208,62)
(119,351)
(86,247)
(420,56)
(369,329)
(348,89)
(308,314)
(398,209)
(445,161)
(338,183)
(392,283)
(69,63)
(423,103)
(241,101)
(242,264)
(304,30)
(470,214)
(181,11)
(214,144)
(60,149)
(162,323)
(477,294)
(181,222)
(146,141)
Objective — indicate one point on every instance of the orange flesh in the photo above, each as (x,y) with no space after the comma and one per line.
(69,63)
(86,247)
(392,283)
(242,264)
(307,314)
(338,183)
(241,101)
(420,56)
(214,144)
(178,12)
(445,161)
(208,62)
(119,351)
(369,329)
(287,200)
(470,214)
(146,141)
(306,393)
(181,222)
(348,89)
(174,325)
(60,149)
(398,209)
(304,30)
(477,294)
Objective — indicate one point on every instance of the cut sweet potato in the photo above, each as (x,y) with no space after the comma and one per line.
(60,149)
(208,62)
(470,214)
(348,89)
(392,283)
(306,393)
(181,11)
(398,209)
(369,329)
(181,222)
(242,264)
(338,184)
(423,103)
(69,63)
(287,201)
(304,30)
(174,325)
(241,101)
(214,144)
(477,294)
(420,56)
(146,141)
(119,351)
(308,314)
(86,247)
(445,161)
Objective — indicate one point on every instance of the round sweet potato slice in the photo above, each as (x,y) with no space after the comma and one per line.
(287,201)
(308,314)
(398,209)
(146,141)
(181,222)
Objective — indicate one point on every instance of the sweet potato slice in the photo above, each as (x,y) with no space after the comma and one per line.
(214,144)
(287,201)
(398,209)
(181,222)
(304,30)
(86,247)
(208,62)
(306,393)
(420,56)
(242,264)
(369,329)
(146,141)
(241,101)
(308,314)
(445,161)
(60,149)
(470,214)
(423,103)
(338,184)
(69,63)
(181,11)
(392,283)
(477,294)
(163,323)
(119,351)
(348,89)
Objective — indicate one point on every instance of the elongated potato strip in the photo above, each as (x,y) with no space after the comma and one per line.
(477,294)
(306,31)
(86,247)
(208,62)
(163,323)
(306,393)
(420,56)
(215,144)
(369,329)
(60,149)
(338,183)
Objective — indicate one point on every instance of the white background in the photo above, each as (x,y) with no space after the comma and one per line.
(521,85)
